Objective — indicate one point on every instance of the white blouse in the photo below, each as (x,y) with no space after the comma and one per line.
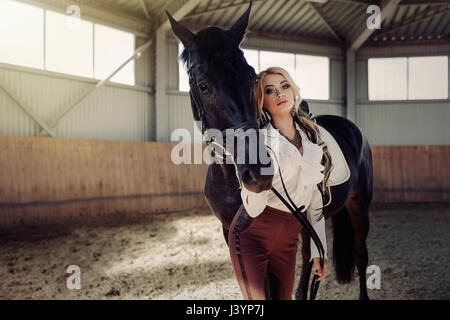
(301,174)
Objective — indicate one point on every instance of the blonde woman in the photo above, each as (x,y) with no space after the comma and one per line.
(263,235)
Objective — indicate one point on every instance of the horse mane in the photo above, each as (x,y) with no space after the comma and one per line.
(212,44)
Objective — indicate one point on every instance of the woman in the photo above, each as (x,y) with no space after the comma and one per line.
(263,235)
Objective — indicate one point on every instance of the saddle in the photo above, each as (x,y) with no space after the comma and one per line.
(340,172)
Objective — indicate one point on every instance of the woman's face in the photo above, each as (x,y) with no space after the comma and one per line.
(278,95)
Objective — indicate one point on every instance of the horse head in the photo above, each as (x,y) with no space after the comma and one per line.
(221,89)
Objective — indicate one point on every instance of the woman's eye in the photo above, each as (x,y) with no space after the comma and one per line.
(286,86)
(269,91)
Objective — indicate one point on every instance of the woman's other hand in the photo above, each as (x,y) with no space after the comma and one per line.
(321,272)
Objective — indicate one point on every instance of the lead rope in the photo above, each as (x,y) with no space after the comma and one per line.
(296,212)
(300,216)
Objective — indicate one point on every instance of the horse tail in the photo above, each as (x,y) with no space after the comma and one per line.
(343,243)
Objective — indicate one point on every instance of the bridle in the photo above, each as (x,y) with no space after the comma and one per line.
(199,113)
(198,110)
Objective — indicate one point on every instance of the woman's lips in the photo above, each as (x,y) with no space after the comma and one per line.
(281,102)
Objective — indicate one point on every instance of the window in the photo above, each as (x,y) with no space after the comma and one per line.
(428,78)
(252,57)
(112,48)
(43,39)
(312,76)
(68,50)
(409,78)
(277,59)
(387,79)
(310,73)
(21,43)
(183,79)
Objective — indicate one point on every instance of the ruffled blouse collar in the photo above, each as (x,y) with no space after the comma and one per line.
(311,168)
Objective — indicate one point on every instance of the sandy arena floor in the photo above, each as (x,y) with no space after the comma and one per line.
(183,255)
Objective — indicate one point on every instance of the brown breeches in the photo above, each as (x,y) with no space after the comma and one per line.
(263,253)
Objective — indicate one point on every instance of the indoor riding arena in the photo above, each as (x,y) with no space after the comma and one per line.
(102,168)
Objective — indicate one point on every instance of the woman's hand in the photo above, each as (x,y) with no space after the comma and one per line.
(321,272)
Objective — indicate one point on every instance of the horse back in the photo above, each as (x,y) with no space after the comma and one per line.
(357,153)
(347,135)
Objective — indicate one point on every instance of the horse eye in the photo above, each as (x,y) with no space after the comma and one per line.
(203,88)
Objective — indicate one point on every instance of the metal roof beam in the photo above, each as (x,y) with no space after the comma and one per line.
(438,24)
(322,18)
(424,2)
(196,14)
(94,4)
(27,110)
(358,2)
(144,8)
(178,9)
(388,7)
(395,28)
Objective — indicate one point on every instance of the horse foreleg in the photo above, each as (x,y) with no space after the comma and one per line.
(302,290)
(358,211)
(225,234)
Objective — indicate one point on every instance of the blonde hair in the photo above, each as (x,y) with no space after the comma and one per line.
(301,118)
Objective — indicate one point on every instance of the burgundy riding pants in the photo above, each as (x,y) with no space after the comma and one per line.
(263,253)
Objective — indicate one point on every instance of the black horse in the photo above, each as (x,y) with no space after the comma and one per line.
(221,90)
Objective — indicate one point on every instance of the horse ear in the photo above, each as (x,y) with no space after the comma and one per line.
(238,29)
(183,33)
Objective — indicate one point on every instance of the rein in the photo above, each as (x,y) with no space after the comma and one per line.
(199,113)
(301,217)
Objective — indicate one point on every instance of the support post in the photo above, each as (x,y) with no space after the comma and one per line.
(178,9)
(161,82)
(350,63)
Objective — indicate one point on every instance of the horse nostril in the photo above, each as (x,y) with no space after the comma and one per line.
(248,177)
(255,182)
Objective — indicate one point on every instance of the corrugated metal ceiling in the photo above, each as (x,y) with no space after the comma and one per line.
(330,22)
(134,7)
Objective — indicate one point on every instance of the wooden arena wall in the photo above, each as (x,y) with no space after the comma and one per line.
(50,178)
(411,173)
(46,179)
